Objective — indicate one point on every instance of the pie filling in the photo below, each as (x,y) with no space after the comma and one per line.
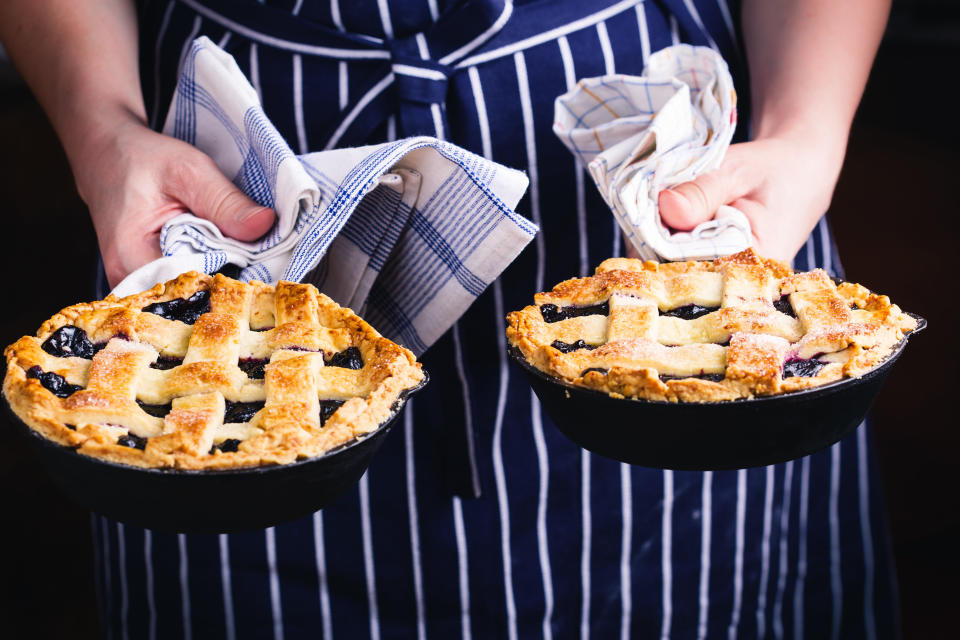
(802,368)
(71,341)
(186,310)
(53,382)
(552,313)
(689,311)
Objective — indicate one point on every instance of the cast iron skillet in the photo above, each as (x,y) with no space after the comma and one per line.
(210,501)
(721,435)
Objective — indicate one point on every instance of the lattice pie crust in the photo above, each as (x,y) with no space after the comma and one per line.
(737,327)
(221,374)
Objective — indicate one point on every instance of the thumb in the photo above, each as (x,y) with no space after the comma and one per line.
(685,206)
(210,195)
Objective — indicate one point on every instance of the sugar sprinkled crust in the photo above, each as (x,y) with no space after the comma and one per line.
(143,364)
(745,322)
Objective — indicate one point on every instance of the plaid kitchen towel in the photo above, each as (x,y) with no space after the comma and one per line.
(406,233)
(641,134)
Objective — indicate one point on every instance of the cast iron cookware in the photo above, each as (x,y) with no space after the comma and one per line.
(710,436)
(210,501)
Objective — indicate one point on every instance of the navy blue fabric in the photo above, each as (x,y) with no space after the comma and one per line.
(560,543)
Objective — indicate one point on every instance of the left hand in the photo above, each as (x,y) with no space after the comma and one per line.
(782,185)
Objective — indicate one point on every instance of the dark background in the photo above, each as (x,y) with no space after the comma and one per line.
(895,217)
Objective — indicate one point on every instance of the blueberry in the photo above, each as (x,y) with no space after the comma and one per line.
(567,347)
(186,310)
(551,313)
(155,410)
(166,362)
(802,368)
(53,382)
(253,367)
(70,341)
(327,409)
(227,446)
(132,441)
(348,358)
(241,411)
(689,312)
(782,304)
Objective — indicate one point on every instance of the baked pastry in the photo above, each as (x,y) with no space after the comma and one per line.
(206,372)
(737,327)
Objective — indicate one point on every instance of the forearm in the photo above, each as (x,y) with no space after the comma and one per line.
(80,61)
(809,61)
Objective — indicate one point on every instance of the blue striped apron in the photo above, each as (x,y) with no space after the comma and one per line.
(478,519)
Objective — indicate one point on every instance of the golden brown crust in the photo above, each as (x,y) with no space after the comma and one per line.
(291,326)
(633,351)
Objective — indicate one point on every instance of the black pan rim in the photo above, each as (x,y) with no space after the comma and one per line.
(245,471)
(831,387)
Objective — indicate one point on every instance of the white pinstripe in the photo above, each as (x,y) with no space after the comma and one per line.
(124,596)
(626,544)
(276,610)
(765,552)
(866,532)
(189,41)
(836,582)
(784,539)
(224,40)
(324,589)
(586,534)
(372,93)
(288,45)
(666,564)
(227,587)
(526,108)
(164,24)
(483,37)
(463,568)
(184,588)
(609,66)
(343,85)
(366,530)
(298,104)
(706,522)
(692,10)
(585,512)
(335,14)
(148,575)
(434,11)
(255,71)
(728,21)
(107,576)
(547,36)
(644,32)
(674,31)
(413,520)
(296,8)
(733,629)
(385,18)
(802,553)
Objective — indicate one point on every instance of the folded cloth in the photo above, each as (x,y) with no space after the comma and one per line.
(641,134)
(406,233)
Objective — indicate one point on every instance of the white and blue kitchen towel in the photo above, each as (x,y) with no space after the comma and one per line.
(406,233)
(641,134)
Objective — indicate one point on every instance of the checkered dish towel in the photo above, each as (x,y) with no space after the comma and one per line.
(407,233)
(642,134)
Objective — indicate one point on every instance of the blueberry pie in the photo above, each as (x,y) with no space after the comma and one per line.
(737,327)
(206,372)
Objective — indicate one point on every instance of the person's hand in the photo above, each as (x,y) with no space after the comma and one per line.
(782,185)
(134,180)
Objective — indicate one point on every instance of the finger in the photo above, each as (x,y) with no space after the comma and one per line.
(210,195)
(685,206)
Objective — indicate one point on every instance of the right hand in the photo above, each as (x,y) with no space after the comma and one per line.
(134,179)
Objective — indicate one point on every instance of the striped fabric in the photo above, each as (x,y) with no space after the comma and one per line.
(561,543)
